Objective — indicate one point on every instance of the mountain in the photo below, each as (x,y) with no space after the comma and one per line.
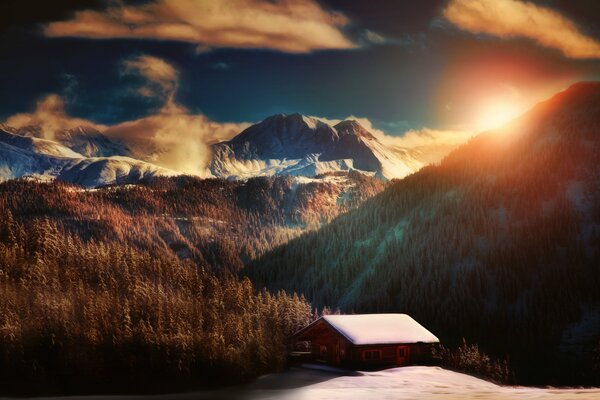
(22,156)
(216,222)
(85,140)
(499,244)
(280,145)
(299,145)
(90,142)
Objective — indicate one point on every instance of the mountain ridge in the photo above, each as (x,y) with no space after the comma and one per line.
(24,156)
(312,146)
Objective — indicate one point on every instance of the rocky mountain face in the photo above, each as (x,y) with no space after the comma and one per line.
(299,145)
(280,145)
(85,140)
(28,155)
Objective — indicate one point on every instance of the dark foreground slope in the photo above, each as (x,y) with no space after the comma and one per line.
(499,244)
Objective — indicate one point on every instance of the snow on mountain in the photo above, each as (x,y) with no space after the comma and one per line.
(91,142)
(299,145)
(98,171)
(22,156)
(294,145)
(36,145)
(85,140)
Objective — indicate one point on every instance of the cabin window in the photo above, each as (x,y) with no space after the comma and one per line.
(371,355)
(401,352)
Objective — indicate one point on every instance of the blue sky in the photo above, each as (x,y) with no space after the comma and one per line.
(399,65)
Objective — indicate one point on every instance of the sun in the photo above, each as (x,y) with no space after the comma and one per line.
(496,113)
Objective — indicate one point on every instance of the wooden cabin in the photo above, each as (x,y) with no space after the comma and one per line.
(366,341)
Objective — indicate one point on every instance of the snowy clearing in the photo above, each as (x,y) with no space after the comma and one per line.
(398,384)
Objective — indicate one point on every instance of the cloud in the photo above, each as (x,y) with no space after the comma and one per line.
(426,145)
(373,37)
(410,138)
(222,66)
(417,138)
(512,18)
(49,117)
(294,26)
(160,77)
(174,138)
(427,137)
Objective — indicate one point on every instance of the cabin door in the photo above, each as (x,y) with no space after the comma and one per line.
(401,355)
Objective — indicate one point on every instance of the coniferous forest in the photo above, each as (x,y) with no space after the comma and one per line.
(133,288)
(498,244)
(91,316)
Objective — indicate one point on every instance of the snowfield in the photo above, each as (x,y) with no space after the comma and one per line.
(412,383)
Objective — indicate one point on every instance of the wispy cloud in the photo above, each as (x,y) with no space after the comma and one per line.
(174,138)
(513,18)
(160,77)
(49,117)
(171,137)
(431,144)
(426,144)
(295,26)
(427,137)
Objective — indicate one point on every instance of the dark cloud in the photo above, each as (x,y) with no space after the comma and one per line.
(18,16)
(392,18)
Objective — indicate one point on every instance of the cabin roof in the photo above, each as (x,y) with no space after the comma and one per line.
(362,329)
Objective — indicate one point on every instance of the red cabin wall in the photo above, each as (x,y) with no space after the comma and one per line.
(328,346)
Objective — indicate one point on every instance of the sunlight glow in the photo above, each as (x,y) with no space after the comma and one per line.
(494,114)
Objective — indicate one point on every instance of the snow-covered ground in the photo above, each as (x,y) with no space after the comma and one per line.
(407,383)
(412,383)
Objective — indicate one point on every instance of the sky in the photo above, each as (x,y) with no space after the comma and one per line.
(172,65)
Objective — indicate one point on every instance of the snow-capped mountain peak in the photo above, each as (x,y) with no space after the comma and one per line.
(22,156)
(296,144)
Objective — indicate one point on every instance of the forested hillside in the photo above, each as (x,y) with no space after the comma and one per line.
(499,244)
(133,287)
(214,222)
(93,316)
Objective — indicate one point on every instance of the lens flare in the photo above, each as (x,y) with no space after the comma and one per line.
(494,114)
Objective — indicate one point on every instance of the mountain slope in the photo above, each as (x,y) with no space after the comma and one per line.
(84,140)
(215,222)
(90,142)
(299,145)
(31,156)
(499,243)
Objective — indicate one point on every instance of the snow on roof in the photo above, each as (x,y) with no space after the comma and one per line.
(380,328)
